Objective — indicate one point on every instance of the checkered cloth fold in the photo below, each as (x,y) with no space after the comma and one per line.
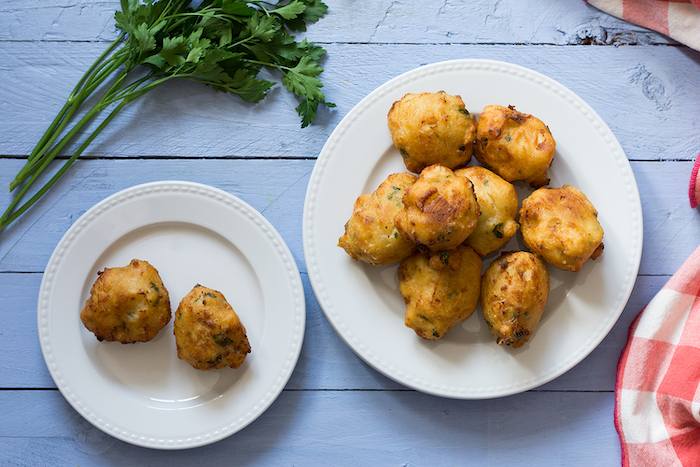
(657,407)
(677,19)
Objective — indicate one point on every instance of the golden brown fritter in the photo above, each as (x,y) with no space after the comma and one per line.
(432,128)
(440,290)
(561,226)
(370,234)
(440,210)
(499,208)
(514,292)
(127,304)
(208,333)
(515,145)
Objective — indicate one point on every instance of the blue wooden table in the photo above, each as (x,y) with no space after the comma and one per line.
(335,409)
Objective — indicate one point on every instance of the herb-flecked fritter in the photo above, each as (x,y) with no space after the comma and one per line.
(370,234)
(208,333)
(127,304)
(440,290)
(515,145)
(561,226)
(499,208)
(440,210)
(432,128)
(514,293)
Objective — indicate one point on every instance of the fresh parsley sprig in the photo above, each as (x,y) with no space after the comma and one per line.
(222,43)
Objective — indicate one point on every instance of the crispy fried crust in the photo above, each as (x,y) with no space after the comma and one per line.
(514,293)
(432,128)
(498,204)
(208,333)
(370,234)
(515,145)
(440,210)
(440,290)
(127,304)
(561,226)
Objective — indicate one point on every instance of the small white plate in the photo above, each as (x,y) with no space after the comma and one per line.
(363,303)
(191,233)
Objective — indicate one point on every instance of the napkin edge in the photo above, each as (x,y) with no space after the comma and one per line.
(694,187)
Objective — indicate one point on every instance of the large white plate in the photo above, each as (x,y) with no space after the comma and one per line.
(142,393)
(363,302)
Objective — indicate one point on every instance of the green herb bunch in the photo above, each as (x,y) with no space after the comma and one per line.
(223,43)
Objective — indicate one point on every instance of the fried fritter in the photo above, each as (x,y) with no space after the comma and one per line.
(127,304)
(514,292)
(208,333)
(432,128)
(515,145)
(370,234)
(499,208)
(440,210)
(561,226)
(440,290)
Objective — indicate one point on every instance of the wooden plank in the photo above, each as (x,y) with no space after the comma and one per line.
(671,227)
(551,22)
(277,189)
(340,428)
(335,409)
(184,119)
(326,362)
(21,362)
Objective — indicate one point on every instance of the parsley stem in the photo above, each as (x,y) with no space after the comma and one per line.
(77,97)
(100,63)
(72,98)
(35,161)
(46,157)
(8,218)
(215,42)
(106,100)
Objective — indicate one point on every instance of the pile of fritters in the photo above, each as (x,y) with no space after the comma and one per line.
(442,223)
(130,304)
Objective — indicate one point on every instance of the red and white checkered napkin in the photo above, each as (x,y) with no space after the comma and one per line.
(678,19)
(657,407)
(694,188)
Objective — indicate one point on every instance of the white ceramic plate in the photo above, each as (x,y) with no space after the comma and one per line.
(142,393)
(363,303)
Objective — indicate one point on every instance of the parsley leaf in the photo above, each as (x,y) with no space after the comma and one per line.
(291,10)
(302,81)
(220,43)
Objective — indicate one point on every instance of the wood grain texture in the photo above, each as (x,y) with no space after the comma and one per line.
(335,409)
(340,428)
(326,362)
(368,21)
(277,189)
(36,78)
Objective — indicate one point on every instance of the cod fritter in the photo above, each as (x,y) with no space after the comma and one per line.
(127,304)
(370,234)
(515,145)
(432,128)
(208,333)
(514,292)
(561,226)
(440,290)
(439,210)
(499,208)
